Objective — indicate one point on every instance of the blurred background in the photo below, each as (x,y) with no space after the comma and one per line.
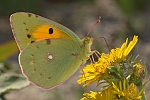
(120,19)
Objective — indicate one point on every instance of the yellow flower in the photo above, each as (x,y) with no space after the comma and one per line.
(93,72)
(119,54)
(96,71)
(128,92)
(106,94)
(139,70)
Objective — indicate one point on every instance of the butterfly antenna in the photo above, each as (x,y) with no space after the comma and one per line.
(98,21)
(105,42)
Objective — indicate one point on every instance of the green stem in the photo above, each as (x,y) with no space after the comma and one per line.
(140,87)
(143,97)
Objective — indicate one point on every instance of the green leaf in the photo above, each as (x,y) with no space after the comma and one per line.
(12,81)
(113,69)
(7,50)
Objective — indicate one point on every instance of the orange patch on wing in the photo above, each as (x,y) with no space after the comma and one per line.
(42,33)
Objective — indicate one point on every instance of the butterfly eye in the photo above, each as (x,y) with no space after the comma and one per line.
(50,30)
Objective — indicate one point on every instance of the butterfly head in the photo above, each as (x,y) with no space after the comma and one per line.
(87,41)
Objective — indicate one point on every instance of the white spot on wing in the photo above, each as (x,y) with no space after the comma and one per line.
(49,56)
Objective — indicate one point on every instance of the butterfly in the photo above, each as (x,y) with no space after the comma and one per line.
(49,52)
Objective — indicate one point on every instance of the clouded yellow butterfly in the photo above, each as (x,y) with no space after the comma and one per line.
(49,52)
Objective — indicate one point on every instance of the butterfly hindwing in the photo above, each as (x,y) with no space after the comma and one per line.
(48,63)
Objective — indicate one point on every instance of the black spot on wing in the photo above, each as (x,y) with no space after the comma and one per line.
(29,15)
(24,23)
(36,16)
(48,41)
(50,30)
(41,74)
(32,41)
(76,55)
(34,69)
(32,55)
(49,77)
(28,35)
(37,47)
(27,29)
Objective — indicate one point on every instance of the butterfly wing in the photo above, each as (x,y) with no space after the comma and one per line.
(50,62)
(28,28)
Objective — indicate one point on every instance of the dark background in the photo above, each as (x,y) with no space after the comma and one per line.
(121,19)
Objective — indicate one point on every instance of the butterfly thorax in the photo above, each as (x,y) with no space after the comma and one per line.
(86,48)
